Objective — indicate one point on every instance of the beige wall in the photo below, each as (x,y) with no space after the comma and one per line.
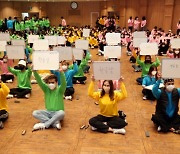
(162,13)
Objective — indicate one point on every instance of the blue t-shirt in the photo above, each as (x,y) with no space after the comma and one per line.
(10,24)
(147,80)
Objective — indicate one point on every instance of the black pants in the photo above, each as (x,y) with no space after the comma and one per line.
(69,91)
(113,122)
(139,80)
(165,122)
(86,69)
(19,92)
(3,115)
(148,94)
(79,79)
(5,77)
(178,31)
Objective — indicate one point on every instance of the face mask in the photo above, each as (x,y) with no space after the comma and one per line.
(21,68)
(154,73)
(64,67)
(5,60)
(170,87)
(147,61)
(177,52)
(51,86)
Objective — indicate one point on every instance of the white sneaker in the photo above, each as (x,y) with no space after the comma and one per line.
(9,96)
(9,81)
(38,126)
(27,96)
(93,128)
(159,129)
(33,81)
(119,131)
(68,97)
(144,97)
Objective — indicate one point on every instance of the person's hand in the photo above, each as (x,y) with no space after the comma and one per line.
(121,79)
(60,68)
(92,78)
(73,59)
(159,75)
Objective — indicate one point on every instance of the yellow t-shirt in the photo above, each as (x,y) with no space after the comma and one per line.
(4,91)
(44,71)
(108,107)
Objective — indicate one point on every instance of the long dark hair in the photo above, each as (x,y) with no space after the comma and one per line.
(111,91)
(152,68)
(176,55)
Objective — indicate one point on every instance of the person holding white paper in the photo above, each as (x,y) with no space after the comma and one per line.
(69,73)
(54,102)
(175,53)
(23,89)
(6,76)
(145,66)
(148,80)
(166,116)
(108,120)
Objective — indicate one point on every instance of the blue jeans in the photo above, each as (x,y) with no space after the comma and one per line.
(49,118)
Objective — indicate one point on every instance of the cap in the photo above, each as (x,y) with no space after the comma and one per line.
(168,80)
(22,62)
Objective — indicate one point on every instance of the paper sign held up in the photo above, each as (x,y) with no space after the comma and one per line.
(82,44)
(139,34)
(106,70)
(45,60)
(112,51)
(4,37)
(32,38)
(3,45)
(170,68)
(175,43)
(86,32)
(15,51)
(41,45)
(78,54)
(52,40)
(18,42)
(65,53)
(138,41)
(148,49)
(61,40)
(113,38)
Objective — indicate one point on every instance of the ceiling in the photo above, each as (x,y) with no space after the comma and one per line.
(52,0)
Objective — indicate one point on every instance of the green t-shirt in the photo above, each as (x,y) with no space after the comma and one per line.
(23,78)
(53,98)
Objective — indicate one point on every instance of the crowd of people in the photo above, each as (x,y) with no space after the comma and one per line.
(57,85)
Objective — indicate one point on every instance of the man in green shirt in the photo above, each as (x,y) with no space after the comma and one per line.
(54,102)
(23,89)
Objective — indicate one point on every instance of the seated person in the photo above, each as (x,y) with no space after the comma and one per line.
(166,116)
(54,102)
(4,90)
(109,119)
(23,89)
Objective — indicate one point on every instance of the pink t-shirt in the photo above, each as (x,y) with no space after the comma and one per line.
(4,66)
(130,22)
(136,24)
(63,22)
(143,23)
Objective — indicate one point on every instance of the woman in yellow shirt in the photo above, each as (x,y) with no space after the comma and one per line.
(108,120)
(4,91)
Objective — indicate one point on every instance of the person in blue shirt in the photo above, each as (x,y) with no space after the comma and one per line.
(166,116)
(69,73)
(10,24)
(148,80)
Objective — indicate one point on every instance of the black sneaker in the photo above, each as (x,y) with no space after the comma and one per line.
(1,125)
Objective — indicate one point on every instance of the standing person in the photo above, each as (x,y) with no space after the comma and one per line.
(54,102)
(10,25)
(108,120)
(143,24)
(4,90)
(178,28)
(63,22)
(136,24)
(166,116)
(130,23)
(23,89)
